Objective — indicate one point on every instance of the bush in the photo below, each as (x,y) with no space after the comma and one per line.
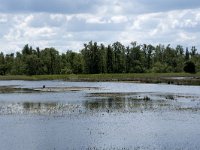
(189,67)
(160,68)
(66,71)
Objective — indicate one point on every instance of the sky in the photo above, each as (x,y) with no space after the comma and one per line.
(67,25)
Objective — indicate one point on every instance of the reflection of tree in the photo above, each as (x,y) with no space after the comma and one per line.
(113,103)
(123,103)
(38,106)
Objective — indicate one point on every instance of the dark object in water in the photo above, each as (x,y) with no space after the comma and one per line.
(43,86)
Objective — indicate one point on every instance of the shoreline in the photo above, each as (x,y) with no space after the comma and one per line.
(168,78)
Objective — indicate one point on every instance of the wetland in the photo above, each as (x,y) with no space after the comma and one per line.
(98,115)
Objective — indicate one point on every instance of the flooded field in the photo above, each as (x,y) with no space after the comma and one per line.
(98,115)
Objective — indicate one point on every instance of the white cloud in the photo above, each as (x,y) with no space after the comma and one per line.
(44,32)
(3,18)
(57,17)
(104,21)
(119,19)
(96,20)
(186,37)
(13,35)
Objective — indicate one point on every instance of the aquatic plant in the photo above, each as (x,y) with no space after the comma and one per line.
(146,98)
(169,97)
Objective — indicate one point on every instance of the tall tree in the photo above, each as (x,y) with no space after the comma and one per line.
(148,51)
(2,64)
(103,59)
(179,58)
(187,54)
(110,59)
(119,57)
(135,56)
(51,61)
(91,58)
(9,61)
(19,66)
(33,65)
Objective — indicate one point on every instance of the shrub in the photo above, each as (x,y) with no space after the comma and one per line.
(189,67)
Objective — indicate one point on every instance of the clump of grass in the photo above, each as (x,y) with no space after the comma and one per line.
(146,98)
(169,97)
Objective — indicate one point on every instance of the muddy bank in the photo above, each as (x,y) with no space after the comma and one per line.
(167,80)
(15,89)
(65,89)
(157,80)
(189,80)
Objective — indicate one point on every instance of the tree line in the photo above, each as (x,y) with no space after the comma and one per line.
(97,58)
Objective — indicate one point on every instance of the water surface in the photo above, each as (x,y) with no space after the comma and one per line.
(113,115)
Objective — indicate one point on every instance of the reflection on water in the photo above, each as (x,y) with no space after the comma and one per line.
(125,104)
(109,103)
(38,106)
(97,105)
(93,105)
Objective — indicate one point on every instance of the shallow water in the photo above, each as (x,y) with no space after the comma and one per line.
(115,115)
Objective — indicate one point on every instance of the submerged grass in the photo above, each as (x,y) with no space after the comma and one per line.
(135,77)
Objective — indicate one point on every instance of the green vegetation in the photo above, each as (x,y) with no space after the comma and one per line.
(189,67)
(169,78)
(99,59)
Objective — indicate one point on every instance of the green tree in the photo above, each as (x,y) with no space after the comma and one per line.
(103,59)
(195,58)
(135,59)
(160,68)
(119,57)
(110,59)
(193,51)
(91,58)
(27,50)
(78,64)
(94,58)
(33,65)
(170,58)
(179,58)
(3,68)
(9,61)
(158,55)
(19,66)
(187,55)
(74,62)
(51,61)
(148,51)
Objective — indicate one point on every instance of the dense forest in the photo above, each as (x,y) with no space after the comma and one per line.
(97,58)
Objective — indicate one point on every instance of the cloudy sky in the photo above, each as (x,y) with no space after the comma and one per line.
(67,24)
